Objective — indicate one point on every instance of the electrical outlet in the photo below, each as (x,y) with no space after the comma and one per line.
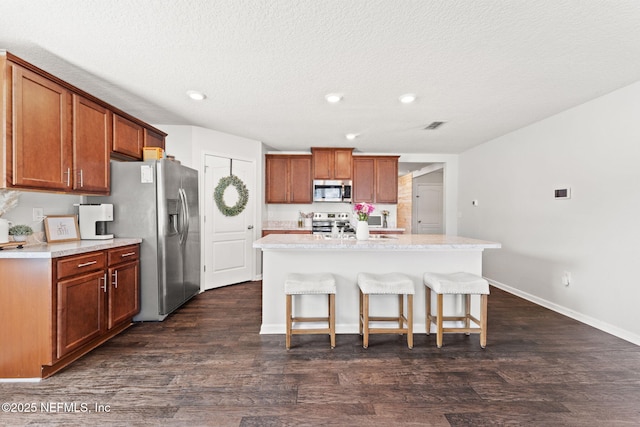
(566,278)
(38,214)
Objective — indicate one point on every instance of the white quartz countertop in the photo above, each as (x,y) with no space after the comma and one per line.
(383,242)
(57,250)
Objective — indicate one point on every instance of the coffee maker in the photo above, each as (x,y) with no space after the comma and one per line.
(93,221)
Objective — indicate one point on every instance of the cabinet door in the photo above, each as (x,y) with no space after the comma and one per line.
(128,137)
(92,138)
(322,163)
(153,139)
(363,180)
(386,180)
(41,132)
(300,180)
(277,177)
(80,311)
(124,291)
(342,163)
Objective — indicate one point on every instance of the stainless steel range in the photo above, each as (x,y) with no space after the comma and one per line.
(323,222)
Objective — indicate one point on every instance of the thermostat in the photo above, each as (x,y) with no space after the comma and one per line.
(562,193)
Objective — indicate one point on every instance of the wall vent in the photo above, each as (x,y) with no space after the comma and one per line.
(434,125)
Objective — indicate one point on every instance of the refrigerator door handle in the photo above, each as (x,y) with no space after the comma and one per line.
(184,224)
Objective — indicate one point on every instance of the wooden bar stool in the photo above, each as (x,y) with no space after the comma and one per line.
(460,283)
(384,284)
(309,284)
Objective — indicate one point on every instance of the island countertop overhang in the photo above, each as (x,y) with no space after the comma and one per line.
(399,242)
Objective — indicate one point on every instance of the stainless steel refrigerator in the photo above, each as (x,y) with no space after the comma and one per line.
(157,201)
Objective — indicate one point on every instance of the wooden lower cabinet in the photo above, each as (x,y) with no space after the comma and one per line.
(80,311)
(53,311)
(124,289)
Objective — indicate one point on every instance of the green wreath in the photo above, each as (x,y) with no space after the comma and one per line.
(243,195)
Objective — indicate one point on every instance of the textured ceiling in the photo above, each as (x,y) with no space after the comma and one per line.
(484,67)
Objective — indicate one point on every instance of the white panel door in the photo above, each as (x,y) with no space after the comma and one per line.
(429,212)
(228,239)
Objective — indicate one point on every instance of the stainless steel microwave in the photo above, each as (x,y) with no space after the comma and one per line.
(331,191)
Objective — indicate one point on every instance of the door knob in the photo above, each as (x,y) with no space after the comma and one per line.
(250,227)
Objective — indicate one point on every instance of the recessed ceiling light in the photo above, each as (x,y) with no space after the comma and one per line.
(195,95)
(351,136)
(408,98)
(333,98)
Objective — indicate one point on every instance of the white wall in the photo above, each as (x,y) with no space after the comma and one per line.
(51,203)
(595,149)
(189,144)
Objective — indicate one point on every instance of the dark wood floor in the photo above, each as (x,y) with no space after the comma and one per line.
(207,365)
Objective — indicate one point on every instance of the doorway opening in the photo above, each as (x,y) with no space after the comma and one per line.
(421,198)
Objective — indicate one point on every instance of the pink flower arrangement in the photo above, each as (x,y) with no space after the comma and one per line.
(363,210)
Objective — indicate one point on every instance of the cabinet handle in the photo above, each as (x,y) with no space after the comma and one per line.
(127,254)
(104,283)
(68,173)
(84,264)
(115,279)
(81,179)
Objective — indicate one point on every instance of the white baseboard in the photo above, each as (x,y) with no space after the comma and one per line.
(603,326)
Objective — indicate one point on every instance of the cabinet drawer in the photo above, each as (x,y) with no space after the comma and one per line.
(124,254)
(85,263)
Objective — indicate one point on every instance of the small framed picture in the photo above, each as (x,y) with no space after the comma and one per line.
(61,228)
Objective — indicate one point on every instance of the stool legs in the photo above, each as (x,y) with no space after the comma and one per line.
(428,309)
(331,320)
(288,311)
(484,299)
(410,320)
(439,328)
(467,318)
(365,319)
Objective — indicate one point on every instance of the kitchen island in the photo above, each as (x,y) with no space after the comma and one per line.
(410,254)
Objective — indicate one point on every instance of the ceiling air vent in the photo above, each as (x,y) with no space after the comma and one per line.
(434,125)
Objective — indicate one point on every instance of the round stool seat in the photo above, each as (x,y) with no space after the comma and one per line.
(389,283)
(456,283)
(314,283)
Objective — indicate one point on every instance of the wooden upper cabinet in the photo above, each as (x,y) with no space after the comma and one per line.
(363,179)
(41,120)
(288,179)
(128,137)
(387,180)
(300,182)
(92,139)
(342,163)
(153,139)
(59,138)
(332,163)
(277,179)
(375,179)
